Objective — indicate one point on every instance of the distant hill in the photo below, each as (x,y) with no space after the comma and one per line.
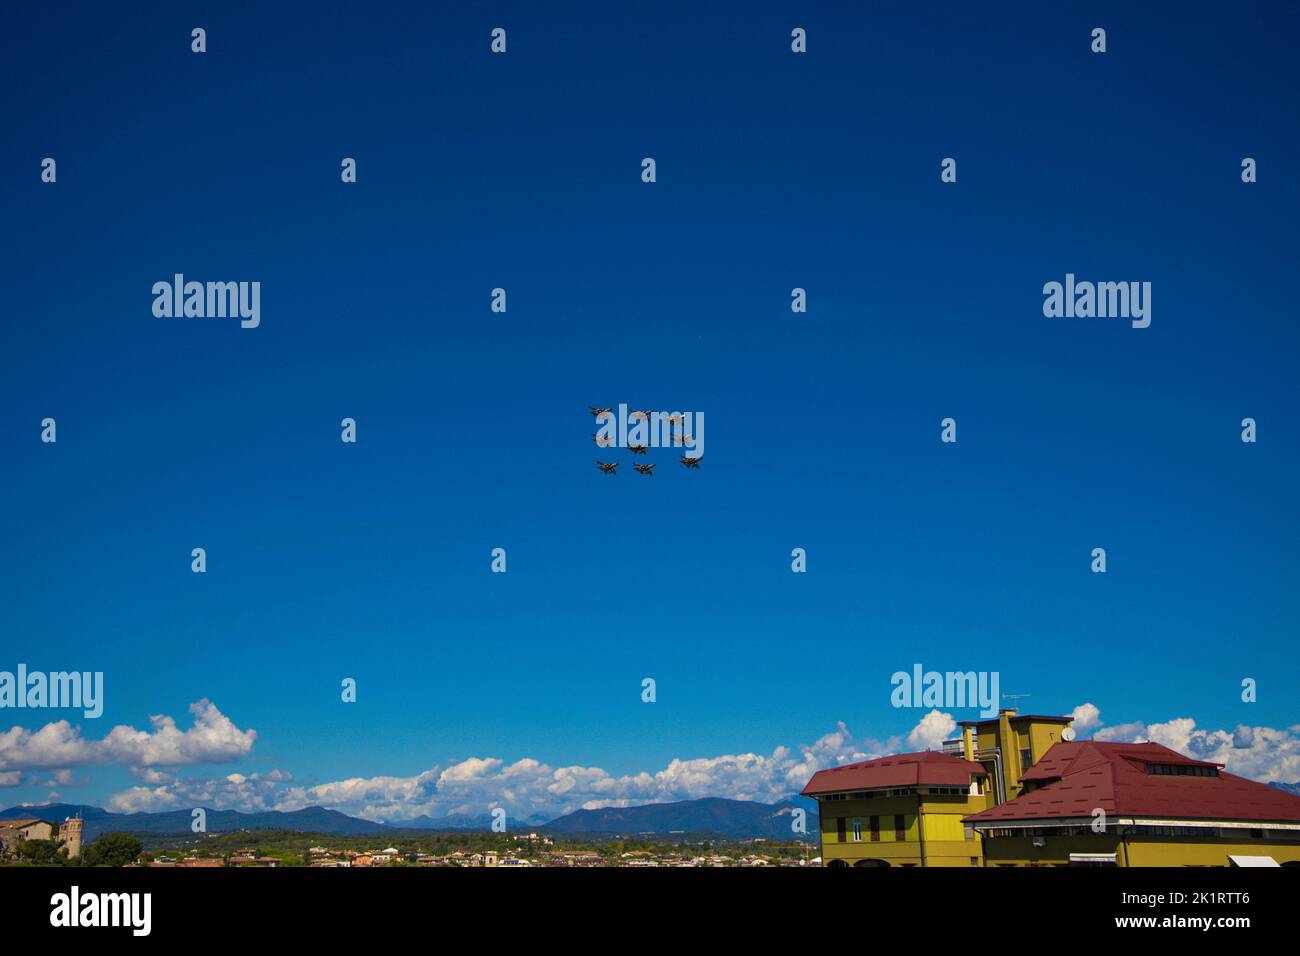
(714,816)
(1288,787)
(99,820)
(733,819)
(463,821)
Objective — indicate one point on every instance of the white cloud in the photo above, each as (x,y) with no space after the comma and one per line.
(248,793)
(1134,731)
(63,778)
(932,731)
(529,789)
(1086,718)
(151,776)
(60,745)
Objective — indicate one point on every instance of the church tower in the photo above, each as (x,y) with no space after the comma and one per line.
(70,836)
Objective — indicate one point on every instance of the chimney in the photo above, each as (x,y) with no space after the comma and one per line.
(1010,757)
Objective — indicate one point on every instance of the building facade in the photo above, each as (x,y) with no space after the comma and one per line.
(13,832)
(904,810)
(913,806)
(1112,804)
(1019,791)
(70,836)
(1008,746)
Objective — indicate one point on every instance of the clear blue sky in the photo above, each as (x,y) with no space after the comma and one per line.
(523,171)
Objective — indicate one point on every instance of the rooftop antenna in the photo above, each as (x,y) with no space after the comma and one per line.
(1015,697)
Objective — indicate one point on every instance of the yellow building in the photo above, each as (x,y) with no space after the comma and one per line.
(1019,791)
(907,809)
(1008,745)
(903,810)
(1113,804)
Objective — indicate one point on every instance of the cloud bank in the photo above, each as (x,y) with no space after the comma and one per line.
(531,790)
(60,746)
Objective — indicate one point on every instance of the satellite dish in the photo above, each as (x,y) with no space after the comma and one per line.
(1067,734)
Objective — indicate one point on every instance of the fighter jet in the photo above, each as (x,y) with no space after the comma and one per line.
(641,413)
(637,449)
(645,469)
(601,440)
(597,412)
(692,462)
(609,469)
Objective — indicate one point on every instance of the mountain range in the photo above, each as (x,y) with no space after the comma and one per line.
(98,820)
(707,817)
(712,816)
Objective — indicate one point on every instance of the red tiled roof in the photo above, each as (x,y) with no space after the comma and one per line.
(927,768)
(1063,758)
(1081,776)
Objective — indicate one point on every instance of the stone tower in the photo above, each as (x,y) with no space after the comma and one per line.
(70,836)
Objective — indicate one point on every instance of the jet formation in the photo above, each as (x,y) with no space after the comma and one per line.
(611,468)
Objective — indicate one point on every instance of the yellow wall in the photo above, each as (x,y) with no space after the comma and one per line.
(1188,851)
(936,816)
(1139,851)
(1011,734)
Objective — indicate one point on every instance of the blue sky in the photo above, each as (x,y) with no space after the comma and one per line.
(522,171)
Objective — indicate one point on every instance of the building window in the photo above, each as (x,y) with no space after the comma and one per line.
(839,827)
(970,831)
(1172,831)
(875,829)
(900,827)
(1181,770)
(857,829)
(1026,760)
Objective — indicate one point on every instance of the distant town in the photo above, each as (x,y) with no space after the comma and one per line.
(48,845)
